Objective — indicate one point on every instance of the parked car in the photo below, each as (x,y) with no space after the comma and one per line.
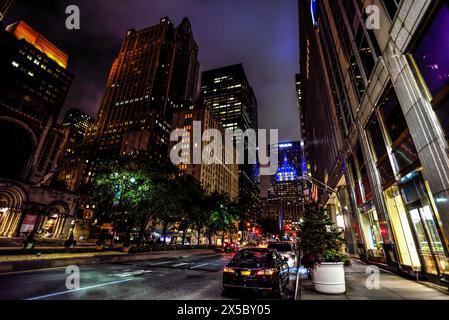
(257,269)
(287,250)
(231,247)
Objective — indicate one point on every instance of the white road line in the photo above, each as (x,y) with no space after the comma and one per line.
(199,266)
(129,274)
(159,263)
(80,289)
(179,265)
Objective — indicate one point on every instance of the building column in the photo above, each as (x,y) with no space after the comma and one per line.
(7,223)
(62,224)
(424,129)
(32,173)
(4,223)
(11,228)
(376,187)
(348,216)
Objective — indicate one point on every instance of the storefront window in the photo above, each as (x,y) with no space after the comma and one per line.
(405,244)
(385,171)
(372,234)
(405,155)
(442,112)
(431,52)
(424,222)
(376,138)
(394,119)
(392,7)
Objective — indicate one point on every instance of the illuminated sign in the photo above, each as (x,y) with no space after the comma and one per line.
(313,8)
(285,145)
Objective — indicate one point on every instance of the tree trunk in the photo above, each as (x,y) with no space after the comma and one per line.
(143,225)
(199,235)
(223,238)
(184,236)
(164,233)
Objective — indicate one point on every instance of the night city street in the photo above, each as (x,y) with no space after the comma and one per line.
(219,159)
(196,277)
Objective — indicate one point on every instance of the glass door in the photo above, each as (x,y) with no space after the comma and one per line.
(430,245)
(434,237)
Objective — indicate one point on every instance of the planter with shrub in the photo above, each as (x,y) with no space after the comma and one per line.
(321,249)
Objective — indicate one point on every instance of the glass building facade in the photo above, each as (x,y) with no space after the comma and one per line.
(390,99)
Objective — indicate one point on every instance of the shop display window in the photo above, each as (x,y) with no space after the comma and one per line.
(431,52)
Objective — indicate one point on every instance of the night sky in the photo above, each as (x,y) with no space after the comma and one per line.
(261,34)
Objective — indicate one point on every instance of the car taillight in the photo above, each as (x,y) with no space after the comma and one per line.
(267,272)
(228,270)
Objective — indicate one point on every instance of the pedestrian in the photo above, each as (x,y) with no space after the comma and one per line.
(70,242)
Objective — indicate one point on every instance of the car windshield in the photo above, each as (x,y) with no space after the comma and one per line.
(281,247)
(251,257)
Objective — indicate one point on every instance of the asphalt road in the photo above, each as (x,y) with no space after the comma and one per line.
(193,277)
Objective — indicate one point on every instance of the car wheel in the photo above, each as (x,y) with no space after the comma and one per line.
(287,280)
(277,290)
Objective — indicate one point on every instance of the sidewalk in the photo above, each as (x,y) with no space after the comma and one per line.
(7,244)
(392,287)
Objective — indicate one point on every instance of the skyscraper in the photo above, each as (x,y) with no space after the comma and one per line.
(34,82)
(231,98)
(218,177)
(376,108)
(75,126)
(227,92)
(155,72)
(284,193)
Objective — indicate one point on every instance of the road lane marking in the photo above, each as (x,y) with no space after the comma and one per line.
(199,266)
(80,289)
(179,265)
(129,274)
(159,263)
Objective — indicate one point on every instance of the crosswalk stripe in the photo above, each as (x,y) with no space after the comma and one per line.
(159,263)
(179,265)
(129,274)
(199,266)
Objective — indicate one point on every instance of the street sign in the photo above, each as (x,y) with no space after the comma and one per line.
(28,223)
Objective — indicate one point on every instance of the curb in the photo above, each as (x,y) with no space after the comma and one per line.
(18,266)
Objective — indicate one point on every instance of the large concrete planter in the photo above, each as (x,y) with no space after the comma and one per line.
(329,278)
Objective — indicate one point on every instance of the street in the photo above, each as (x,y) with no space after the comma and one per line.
(190,277)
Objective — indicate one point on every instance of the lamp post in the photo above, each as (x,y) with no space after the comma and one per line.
(120,190)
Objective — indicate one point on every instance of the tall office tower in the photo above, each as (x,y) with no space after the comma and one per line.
(75,126)
(285,196)
(75,118)
(4,6)
(284,193)
(305,164)
(34,82)
(291,151)
(218,177)
(155,72)
(227,92)
(376,107)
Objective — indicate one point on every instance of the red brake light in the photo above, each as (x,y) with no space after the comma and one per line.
(267,272)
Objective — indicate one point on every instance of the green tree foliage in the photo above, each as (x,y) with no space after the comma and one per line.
(133,192)
(320,239)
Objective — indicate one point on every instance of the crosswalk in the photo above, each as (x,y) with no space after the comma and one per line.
(203,266)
